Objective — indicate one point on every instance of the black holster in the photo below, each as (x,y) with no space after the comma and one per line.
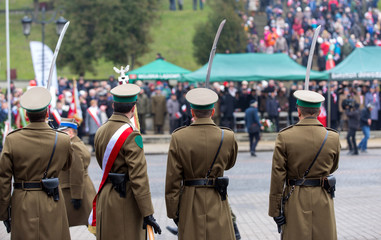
(329,184)
(50,186)
(221,185)
(118,181)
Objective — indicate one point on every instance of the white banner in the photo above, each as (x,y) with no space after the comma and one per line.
(36,51)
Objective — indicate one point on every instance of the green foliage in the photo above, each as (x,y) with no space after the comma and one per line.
(232,38)
(116,30)
(78,51)
(172,33)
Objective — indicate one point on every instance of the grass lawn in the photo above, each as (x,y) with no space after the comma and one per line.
(172,35)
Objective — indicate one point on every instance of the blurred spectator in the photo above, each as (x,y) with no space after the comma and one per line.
(158,109)
(353,115)
(253,126)
(365,123)
(173,109)
(93,121)
(143,107)
(273,109)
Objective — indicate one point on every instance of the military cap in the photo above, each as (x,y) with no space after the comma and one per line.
(306,98)
(125,93)
(35,99)
(201,98)
(68,123)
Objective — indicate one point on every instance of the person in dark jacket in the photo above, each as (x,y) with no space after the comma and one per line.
(353,115)
(365,122)
(253,125)
(227,109)
(273,109)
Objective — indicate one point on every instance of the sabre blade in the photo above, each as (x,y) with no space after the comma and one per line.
(213,52)
(56,53)
(310,57)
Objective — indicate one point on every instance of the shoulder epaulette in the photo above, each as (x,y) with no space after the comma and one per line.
(286,128)
(331,129)
(13,131)
(177,129)
(226,128)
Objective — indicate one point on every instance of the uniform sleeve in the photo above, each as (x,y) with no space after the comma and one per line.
(70,154)
(76,173)
(278,176)
(173,180)
(336,157)
(137,169)
(6,166)
(233,154)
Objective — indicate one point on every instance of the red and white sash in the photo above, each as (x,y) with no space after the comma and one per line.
(93,111)
(112,150)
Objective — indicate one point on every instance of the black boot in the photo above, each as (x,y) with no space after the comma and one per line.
(236,231)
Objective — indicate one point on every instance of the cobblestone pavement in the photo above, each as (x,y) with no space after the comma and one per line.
(357,202)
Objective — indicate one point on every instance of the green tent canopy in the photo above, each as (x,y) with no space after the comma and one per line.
(157,70)
(361,64)
(253,67)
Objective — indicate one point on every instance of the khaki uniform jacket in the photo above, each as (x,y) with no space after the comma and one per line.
(309,211)
(202,214)
(159,109)
(25,156)
(76,184)
(122,218)
(143,104)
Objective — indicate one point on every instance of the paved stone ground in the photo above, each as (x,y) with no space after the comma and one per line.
(357,202)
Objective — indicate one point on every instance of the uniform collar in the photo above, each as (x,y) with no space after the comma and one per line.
(204,121)
(38,125)
(119,117)
(309,121)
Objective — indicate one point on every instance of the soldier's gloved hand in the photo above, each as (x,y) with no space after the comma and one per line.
(176,220)
(280,220)
(150,220)
(76,203)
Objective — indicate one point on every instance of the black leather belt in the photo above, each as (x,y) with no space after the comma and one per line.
(199,182)
(27,185)
(304,182)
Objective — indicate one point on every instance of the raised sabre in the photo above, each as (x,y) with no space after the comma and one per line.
(310,57)
(56,53)
(213,52)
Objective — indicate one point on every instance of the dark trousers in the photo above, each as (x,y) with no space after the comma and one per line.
(91,141)
(228,122)
(159,129)
(351,139)
(142,123)
(254,142)
(195,4)
(172,5)
(374,125)
(173,124)
(275,120)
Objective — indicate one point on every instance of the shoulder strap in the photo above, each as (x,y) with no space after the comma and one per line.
(215,157)
(317,154)
(51,156)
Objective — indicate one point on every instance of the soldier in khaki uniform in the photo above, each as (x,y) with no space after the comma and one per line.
(118,216)
(159,109)
(308,207)
(77,187)
(191,198)
(26,156)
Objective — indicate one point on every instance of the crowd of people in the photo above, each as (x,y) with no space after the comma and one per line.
(167,104)
(345,25)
